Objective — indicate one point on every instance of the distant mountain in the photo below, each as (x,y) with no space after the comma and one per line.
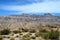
(46,18)
(27,21)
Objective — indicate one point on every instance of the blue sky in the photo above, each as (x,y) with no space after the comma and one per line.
(8,7)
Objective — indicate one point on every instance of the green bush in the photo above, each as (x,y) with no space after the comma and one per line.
(43,31)
(12,39)
(32,31)
(26,37)
(25,30)
(37,34)
(1,38)
(54,35)
(16,31)
(5,32)
(21,34)
(44,35)
(33,37)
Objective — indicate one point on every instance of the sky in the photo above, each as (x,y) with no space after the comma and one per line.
(8,7)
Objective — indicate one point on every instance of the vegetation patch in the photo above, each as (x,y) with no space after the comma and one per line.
(5,32)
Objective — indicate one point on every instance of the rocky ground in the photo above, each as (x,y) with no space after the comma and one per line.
(30,34)
(24,27)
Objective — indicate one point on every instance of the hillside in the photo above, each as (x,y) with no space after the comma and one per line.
(27,21)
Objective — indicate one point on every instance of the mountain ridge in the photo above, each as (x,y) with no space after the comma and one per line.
(27,21)
(30,18)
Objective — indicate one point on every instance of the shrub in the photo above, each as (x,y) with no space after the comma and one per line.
(25,30)
(37,34)
(43,30)
(33,37)
(54,35)
(16,31)
(12,39)
(27,38)
(5,32)
(32,31)
(44,33)
(30,34)
(21,34)
(1,38)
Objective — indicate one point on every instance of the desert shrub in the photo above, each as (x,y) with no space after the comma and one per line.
(12,39)
(25,30)
(33,37)
(16,31)
(51,26)
(25,36)
(43,30)
(44,33)
(37,34)
(5,32)
(30,34)
(32,31)
(1,38)
(54,35)
(21,34)
(17,36)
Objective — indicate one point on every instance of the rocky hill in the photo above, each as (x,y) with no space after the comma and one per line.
(27,21)
(30,18)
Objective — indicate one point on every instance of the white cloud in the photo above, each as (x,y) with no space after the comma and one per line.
(35,7)
(42,0)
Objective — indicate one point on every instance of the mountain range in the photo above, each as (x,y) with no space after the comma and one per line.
(27,21)
(31,18)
